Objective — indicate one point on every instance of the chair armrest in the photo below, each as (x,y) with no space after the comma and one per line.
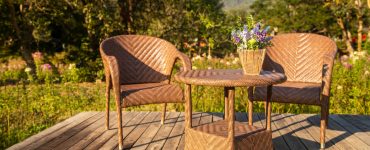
(114,73)
(186,63)
(328,62)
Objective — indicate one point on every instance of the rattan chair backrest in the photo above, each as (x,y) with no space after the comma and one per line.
(300,56)
(141,59)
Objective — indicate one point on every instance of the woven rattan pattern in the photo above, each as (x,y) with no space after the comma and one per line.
(150,93)
(219,128)
(141,59)
(301,58)
(145,62)
(214,136)
(287,92)
(307,61)
(228,78)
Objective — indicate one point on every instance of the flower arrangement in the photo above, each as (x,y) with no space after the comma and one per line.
(251,36)
(251,42)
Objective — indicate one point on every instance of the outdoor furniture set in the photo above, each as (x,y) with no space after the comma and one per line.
(297,69)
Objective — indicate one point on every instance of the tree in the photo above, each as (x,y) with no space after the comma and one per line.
(177,21)
(359,10)
(20,30)
(295,15)
(342,12)
(73,26)
(368,28)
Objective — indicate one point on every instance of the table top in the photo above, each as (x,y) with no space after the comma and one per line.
(228,78)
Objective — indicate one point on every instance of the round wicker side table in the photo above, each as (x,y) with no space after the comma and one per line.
(228,133)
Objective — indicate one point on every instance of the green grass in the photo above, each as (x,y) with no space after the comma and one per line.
(26,109)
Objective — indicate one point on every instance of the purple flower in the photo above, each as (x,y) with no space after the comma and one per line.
(256,29)
(249,37)
(245,35)
(46,67)
(237,39)
(347,65)
(245,28)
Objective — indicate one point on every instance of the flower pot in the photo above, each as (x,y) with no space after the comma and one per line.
(252,61)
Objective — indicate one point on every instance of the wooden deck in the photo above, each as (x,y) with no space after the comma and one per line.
(142,130)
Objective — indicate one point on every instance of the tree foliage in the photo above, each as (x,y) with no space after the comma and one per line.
(295,15)
(76,27)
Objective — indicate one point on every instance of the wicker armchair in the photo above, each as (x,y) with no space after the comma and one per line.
(138,69)
(307,61)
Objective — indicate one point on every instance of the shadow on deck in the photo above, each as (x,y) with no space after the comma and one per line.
(142,130)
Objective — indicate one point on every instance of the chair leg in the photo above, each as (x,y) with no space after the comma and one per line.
(323,125)
(107,98)
(268,107)
(250,112)
(163,113)
(327,115)
(119,120)
(188,106)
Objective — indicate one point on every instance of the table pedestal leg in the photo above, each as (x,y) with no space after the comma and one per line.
(250,106)
(268,107)
(230,117)
(188,106)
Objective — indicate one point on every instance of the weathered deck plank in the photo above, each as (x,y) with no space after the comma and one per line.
(303,135)
(86,140)
(277,139)
(113,142)
(108,134)
(314,131)
(52,132)
(143,142)
(175,136)
(331,135)
(161,136)
(70,132)
(142,130)
(354,133)
(287,133)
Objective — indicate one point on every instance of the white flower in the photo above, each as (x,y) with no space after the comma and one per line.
(71,66)
(362,53)
(228,63)
(339,87)
(197,57)
(355,58)
(28,69)
(209,68)
(194,67)
(366,72)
